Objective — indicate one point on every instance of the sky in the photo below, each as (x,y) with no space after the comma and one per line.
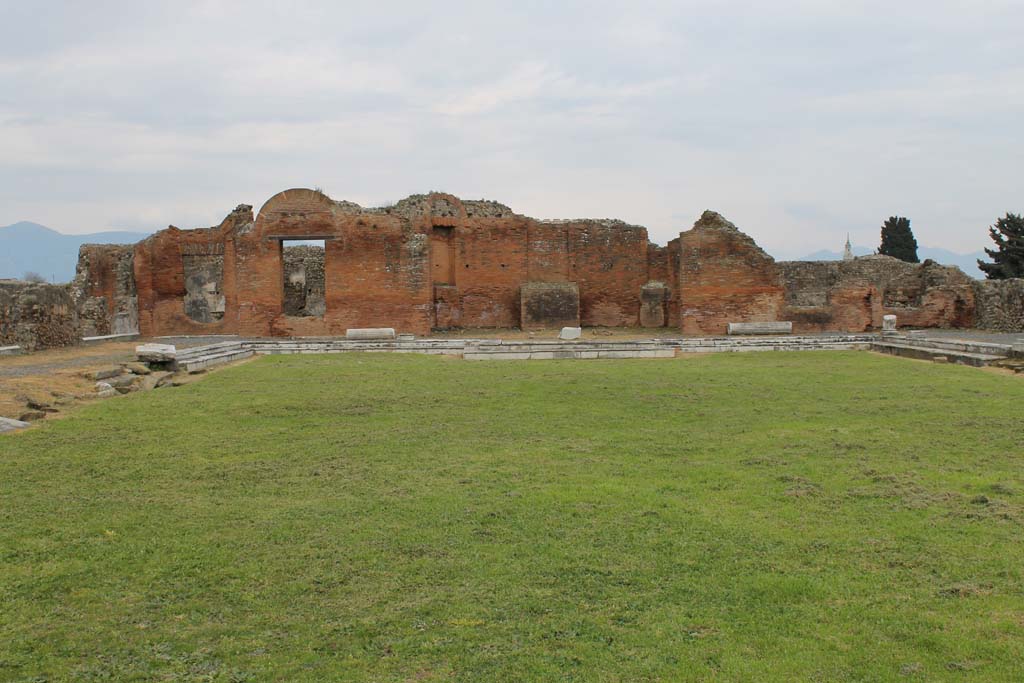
(799,121)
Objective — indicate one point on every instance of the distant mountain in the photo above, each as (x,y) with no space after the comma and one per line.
(966,262)
(29,247)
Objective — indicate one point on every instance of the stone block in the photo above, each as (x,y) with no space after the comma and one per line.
(888,323)
(772,327)
(9,425)
(106,373)
(363,333)
(549,305)
(136,368)
(156,353)
(570,333)
(122,381)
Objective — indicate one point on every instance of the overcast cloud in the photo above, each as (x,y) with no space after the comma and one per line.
(799,121)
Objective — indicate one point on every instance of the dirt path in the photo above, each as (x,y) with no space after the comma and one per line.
(64,376)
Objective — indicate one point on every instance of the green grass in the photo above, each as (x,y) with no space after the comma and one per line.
(754,517)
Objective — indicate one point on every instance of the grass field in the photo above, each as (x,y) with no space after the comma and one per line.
(755,517)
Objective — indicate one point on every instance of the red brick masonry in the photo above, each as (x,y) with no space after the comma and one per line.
(435,261)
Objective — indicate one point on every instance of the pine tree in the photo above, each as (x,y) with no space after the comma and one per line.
(1008,256)
(898,240)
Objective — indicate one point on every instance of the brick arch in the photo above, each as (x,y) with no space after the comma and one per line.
(297,213)
(445,209)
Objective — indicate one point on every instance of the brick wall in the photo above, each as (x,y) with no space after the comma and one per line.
(429,261)
(724,277)
(434,261)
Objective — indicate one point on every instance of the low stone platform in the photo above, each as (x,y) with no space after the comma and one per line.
(199,358)
(968,352)
(962,351)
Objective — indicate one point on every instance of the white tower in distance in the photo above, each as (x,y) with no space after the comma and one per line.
(848,250)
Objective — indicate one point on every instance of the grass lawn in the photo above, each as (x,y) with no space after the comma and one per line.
(735,517)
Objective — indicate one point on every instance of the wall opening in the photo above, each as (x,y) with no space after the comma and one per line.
(303,277)
(203,267)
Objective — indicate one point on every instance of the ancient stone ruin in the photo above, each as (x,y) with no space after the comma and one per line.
(434,262)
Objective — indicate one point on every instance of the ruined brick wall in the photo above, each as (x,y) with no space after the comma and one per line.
(427,262)
(490,263)
(609,263)
(434,261)
(724,277)
(999,305)
(376,266)
(185,279)
(853,296)
(37,316)
(104,289)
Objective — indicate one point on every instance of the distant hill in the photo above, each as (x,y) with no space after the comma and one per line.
(30,247)
(966,262)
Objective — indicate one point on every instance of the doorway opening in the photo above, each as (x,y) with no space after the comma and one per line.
(302,271)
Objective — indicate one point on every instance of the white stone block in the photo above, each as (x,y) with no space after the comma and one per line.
(9,425)
(370,333)
(569,333)
(158,353)
(772,327)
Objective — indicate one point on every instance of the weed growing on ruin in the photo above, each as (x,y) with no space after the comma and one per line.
(738,517)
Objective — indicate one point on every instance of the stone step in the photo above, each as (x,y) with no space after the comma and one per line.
(205,361)
(569,354)
(961,345)
(195,351)
(930,353)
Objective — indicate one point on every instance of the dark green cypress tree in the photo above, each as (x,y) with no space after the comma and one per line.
(1008,256)
(898,240)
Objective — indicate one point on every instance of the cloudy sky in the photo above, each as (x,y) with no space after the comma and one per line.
(800,121)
